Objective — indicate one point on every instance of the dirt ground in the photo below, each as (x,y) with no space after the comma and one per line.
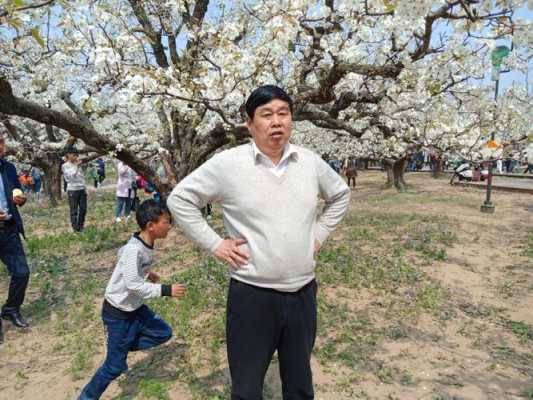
(477,345)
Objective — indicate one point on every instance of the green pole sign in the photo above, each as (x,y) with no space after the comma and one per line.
(497,56)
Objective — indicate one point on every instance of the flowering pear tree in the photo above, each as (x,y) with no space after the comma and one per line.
(169,78)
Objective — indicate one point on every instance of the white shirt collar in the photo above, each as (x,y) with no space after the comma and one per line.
(288,151)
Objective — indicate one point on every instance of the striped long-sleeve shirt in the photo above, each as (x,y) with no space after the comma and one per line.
(128,287)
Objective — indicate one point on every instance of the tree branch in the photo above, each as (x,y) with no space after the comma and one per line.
(12,105)
(153,36)
(4,13)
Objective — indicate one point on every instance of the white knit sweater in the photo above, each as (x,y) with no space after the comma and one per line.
(277,216)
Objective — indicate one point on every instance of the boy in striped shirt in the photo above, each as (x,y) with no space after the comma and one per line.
(130,324)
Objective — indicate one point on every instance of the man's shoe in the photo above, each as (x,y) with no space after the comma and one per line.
(16,318)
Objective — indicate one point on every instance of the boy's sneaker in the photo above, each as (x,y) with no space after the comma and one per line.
(209,217)
(118,219)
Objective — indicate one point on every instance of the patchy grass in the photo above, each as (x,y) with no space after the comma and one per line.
(377,290)
(152,389)
(528,247)
(521,329)
(374,257)
(93,239)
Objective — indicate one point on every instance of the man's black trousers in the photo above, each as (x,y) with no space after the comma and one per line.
(77,201)
(261,321)
(12,255)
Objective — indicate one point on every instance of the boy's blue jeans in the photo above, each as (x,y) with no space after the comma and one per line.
(145,331)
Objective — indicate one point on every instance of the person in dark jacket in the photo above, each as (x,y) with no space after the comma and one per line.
(11,250)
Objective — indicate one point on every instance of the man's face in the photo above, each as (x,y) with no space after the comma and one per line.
(271,126)
(72,157)
(2,147)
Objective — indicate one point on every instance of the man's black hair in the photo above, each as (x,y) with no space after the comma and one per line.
(150,211)
(263,95)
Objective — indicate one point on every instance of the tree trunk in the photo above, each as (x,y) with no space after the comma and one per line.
(438,168)
(390,174)
(398,171)
(53,182)
(395,173)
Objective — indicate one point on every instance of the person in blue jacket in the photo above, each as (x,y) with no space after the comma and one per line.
(11,250)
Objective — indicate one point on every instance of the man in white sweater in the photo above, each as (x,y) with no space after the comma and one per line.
(268,190)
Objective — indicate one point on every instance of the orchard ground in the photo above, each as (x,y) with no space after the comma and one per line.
(420,297)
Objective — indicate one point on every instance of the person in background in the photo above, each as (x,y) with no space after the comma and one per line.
(412,161)
(335,164)
(11,249)
(513,161)
(207,211)
(124,191)
(37,176)
(76,191)
(94,174)
(528,158)
(350,170)
(499,166)
(26,181)
(100,169)
(433,161)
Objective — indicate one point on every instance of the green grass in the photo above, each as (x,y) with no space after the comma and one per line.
(385,253)
(527,393)
(198,320)
(377,255)
(152,389)
(429,297)
(427,235)
(528,247)
(92,239)
(412,196)
(521,329)
(81,362)
(364,260)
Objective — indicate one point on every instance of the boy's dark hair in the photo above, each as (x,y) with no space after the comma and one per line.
(263,95)
(71,150)
(150,211)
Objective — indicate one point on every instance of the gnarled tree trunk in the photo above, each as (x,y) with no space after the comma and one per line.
(438,168)
(53,184)
(395,170)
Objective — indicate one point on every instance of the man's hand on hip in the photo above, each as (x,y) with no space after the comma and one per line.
(229,251)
